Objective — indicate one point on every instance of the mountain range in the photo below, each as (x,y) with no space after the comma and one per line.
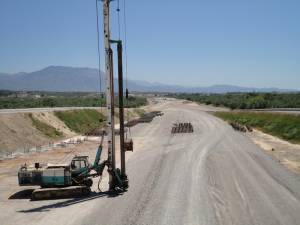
(67,79)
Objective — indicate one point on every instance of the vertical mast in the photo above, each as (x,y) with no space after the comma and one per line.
(109,92)
(121,110)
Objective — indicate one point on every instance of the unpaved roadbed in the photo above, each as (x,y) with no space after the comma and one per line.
(212,176)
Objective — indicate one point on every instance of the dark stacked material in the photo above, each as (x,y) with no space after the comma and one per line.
(146,118)
(95,132)
(182,128)
(240,127)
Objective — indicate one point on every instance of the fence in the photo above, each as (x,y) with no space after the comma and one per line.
(4,154)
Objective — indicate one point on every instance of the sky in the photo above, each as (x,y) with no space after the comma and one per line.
(253,43)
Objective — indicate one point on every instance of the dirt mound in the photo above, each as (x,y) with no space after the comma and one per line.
(17,132)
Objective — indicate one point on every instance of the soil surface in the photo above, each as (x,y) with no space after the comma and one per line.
(214,176)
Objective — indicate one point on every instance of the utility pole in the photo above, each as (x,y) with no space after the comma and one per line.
(109,94)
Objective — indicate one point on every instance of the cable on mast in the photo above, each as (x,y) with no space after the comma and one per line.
(125,44)
(126,61)
(98,51)
(119,26)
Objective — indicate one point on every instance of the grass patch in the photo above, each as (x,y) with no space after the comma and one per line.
(81,121)
(140,112)
(285,126)
(133,102)
(45,128)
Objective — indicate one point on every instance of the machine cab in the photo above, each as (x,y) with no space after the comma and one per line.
(79,164)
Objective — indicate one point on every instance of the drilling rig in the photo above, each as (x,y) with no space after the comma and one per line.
(75,178)
(125,145)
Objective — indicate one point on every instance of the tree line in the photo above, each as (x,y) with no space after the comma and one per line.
(13,102)
(246,100)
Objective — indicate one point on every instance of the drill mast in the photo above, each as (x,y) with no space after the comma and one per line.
(109,92)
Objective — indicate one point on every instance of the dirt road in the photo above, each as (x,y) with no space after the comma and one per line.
(212,176)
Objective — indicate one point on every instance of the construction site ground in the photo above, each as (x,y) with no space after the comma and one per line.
(17,132)
(214,175)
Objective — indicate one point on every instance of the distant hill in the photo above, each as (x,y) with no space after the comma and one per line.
(60,78)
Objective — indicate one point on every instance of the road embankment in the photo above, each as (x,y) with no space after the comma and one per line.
(22,131)
(285,126)
(278,134)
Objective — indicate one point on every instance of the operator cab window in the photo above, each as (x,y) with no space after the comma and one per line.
(78,164)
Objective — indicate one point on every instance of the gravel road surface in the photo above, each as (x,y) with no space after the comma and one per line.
(212,176)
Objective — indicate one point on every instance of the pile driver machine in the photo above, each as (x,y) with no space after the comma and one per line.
(64,180)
